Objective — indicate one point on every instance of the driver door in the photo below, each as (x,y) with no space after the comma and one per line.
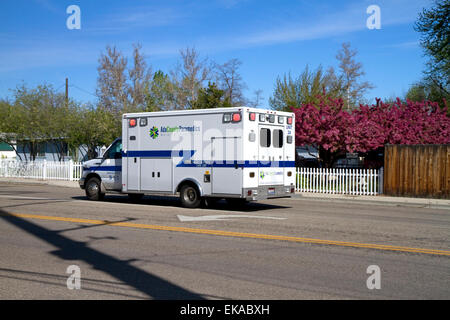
(112,167)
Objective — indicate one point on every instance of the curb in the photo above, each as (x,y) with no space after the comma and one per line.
(380,199)
(59,183)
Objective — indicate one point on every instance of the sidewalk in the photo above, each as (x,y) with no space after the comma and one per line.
(60,183)
(379,199)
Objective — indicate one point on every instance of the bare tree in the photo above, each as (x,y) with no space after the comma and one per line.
(112,88)
(257,100)
(351,72)
(189,77)
(139,76)
(231,81)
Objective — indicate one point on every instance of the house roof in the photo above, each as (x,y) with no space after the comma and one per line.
(5,147)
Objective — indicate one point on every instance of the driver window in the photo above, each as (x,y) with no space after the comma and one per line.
(115,152)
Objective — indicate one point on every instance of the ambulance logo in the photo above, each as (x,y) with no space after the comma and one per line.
(154,132)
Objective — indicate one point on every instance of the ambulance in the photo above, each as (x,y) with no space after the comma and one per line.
(239,154)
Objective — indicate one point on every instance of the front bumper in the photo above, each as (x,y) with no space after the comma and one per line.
(81,182)
(268,192)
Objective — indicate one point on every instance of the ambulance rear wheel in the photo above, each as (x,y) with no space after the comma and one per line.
(189,196)
(93,189)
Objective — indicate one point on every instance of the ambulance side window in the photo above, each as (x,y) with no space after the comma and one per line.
(264,138)
(278,138)
(115,152)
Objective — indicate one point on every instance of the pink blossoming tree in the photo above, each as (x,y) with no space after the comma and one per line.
(335,131)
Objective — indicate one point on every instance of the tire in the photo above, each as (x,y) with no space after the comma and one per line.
(135,196)
(236,202)
(190,196)
(93,189)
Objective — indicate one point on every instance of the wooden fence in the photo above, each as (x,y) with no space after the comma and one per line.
(417,170)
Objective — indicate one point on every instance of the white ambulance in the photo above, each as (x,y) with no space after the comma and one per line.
(239,154)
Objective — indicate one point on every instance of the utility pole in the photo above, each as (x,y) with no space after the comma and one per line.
(67,91)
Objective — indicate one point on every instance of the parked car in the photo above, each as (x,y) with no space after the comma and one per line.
(306,162)
(348,163)
(307,157)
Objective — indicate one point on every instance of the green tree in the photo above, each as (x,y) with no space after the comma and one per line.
(10,122)
(92,127)
(434,25)
(347,84)
(42,115)
(293,92)
(159,93)
(211,97)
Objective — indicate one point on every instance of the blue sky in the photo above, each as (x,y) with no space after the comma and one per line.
(269,37)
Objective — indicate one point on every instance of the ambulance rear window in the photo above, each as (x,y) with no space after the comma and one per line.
(278,138)
(264,138)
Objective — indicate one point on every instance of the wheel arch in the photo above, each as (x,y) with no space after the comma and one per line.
(95,175)
(190,181)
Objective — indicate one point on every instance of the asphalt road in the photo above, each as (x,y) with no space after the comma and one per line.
(277,249)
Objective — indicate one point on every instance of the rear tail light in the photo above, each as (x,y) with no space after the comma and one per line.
(236,117)
(249,192)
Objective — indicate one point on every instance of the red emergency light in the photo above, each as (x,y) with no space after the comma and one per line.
(236,117)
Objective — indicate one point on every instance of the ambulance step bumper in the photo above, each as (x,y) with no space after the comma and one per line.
(268,192)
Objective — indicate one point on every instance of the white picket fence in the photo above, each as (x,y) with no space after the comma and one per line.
(340,181)
(42,170)
(318,180)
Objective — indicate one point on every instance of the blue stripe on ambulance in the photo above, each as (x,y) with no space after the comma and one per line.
(187,155)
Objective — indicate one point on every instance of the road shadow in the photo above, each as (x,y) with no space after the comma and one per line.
(173,201)
(69,249)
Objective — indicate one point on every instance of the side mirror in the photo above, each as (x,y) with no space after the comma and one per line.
(102,152)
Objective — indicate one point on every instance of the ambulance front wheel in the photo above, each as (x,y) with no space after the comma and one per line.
(93,189)
(189,196)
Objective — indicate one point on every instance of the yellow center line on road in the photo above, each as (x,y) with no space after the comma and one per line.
(234,234)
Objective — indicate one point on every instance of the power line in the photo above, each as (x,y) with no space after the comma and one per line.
(81,89)
(60,86)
